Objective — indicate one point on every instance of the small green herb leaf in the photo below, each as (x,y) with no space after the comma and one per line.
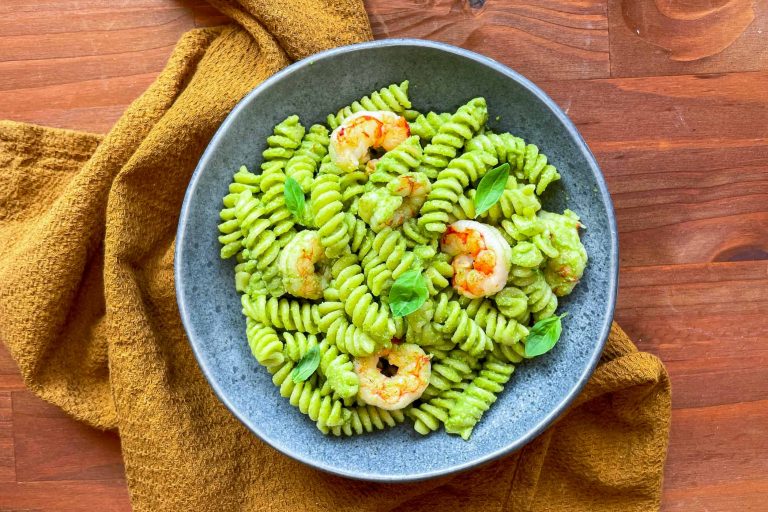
(294,198)
(307,365)
(490,188)
(408,293)
(543,335)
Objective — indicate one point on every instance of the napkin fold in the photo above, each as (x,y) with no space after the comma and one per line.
(88,310)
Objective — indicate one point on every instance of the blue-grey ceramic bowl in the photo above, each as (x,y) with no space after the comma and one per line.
(442,77)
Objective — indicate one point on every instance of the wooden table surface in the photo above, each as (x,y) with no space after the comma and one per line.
(672,97)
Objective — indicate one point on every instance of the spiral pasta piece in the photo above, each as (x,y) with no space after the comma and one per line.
(536,169)
(427,126)
(510,353)
(437,278)
(512,302)
(339,371)
(307,397)
(516,200)
(505,331)
(478,397)
(305,161)
(230,238)
(272,200)
(542,301)
(265,345)
(428,416)
(281,145)
(359,241)
(519,228)
(454,320)
(259,240)
(526,160)
(287,314)
(367,418)
(449,371)
(352,187)
(452,135)
(393,98)
(359,304)
(505,147)
(347,337)
(386,260)
(438,273)
(391,243)
(264,246)
(450,184)
(231,227)
(464,208)
(406,157)
(297,344)
(262,241)
(329,216)
(416,235)
(243,179)
(243,272)
(269,280)
(410,114)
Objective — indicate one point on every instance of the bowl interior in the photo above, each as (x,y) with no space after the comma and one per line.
(441,79)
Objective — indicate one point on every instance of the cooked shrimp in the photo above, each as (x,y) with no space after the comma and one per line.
(394,204)
(394,377)
(413,187)
(297,266)
(481,258)
(352,140)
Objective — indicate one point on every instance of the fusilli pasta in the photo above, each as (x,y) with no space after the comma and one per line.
(421,299)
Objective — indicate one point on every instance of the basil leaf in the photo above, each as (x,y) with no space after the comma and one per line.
(544,335)
(490,188)
(294,198)
(307,365)
(408,293)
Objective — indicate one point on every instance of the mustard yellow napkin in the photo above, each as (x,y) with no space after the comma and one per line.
(87,309)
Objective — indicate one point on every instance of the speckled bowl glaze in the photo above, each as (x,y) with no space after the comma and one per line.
(442,77)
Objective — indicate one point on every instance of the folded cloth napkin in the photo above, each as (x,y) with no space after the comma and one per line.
(87,309)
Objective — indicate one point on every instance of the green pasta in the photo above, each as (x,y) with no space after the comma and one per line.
(264,342)
(414,296)
(453,134)
(393,98)
(329,217)
(427,126)
(305,161)
(460,173)
(359,303)
(406,157)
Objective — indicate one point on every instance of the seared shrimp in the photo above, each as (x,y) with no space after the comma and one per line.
(352,140)
(394,204)
(413,187)
(481,258)
(297,266)
(394,377)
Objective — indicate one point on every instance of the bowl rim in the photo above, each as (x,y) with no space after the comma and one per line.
(612,277)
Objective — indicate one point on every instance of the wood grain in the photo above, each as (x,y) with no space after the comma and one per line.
(50,446)
(7,451)
(543,40)
(704,321)
(79,64)
(681,137)
(697,188)
(651,37)
(65,496)
(725,468)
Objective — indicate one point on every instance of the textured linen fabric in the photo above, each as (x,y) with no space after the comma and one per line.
(88,311)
